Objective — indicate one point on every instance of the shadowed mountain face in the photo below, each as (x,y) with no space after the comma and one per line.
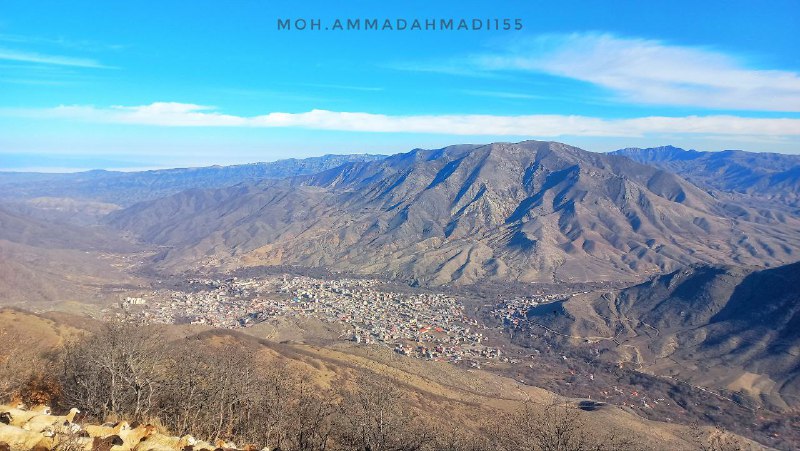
(735,328)
(127,188)
(532,211)
(763,175)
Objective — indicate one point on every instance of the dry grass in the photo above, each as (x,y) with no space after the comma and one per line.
(440,392)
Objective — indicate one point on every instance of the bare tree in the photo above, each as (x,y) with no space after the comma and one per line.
(116,371)
(222,392)
(310,416)
(557,426)
(375,417)
(207,392)
(458,438)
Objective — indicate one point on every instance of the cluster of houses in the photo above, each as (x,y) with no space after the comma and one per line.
(419,324)
(514,312)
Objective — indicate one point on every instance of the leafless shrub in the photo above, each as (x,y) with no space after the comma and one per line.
(375,417)
(67,439)
(310,417)
(223,393)
(716,440)
(557,426)
(116,371)
(455,438)
(209,392)
(19,360)
(41,388)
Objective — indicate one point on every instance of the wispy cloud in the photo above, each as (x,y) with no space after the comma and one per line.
(57,60)
(500,94)
(640,71)
(60,41)
(168,114)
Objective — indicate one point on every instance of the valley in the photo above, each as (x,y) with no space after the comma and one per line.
(540,265)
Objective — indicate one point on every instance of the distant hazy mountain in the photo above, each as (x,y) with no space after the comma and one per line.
(532,211)
(763,175)
(127,188)
(734,327)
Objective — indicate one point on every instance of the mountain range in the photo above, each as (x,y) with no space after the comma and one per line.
(765,176)
(530,211)
(127,188)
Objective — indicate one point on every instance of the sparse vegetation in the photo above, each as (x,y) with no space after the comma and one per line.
(224,391)
(557,427)
(19,362)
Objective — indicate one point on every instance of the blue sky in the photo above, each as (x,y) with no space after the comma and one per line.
(158,84)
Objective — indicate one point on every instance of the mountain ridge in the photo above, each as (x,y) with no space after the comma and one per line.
(527,211)
(773,177)
(127,188)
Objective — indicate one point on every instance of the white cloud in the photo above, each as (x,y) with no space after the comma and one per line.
(57,60)
(642,71)
(190,115)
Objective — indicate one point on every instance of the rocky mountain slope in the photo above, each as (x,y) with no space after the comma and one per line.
(729,327)
(769,176)
(531,211)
